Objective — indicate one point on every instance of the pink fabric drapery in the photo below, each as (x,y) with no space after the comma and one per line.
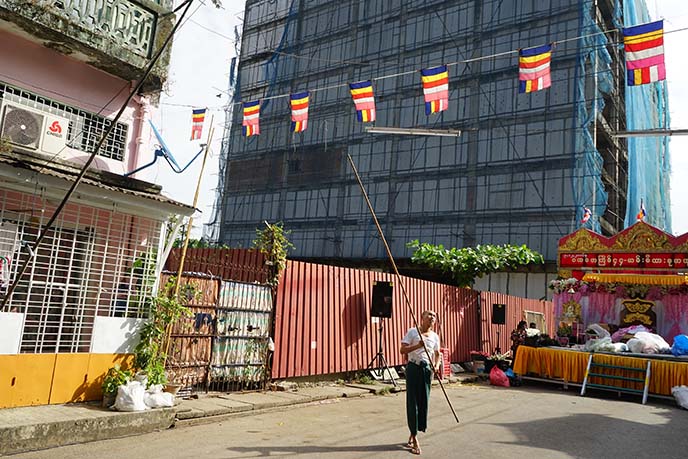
(604,307)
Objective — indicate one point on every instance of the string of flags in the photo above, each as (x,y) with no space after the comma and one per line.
(644,54)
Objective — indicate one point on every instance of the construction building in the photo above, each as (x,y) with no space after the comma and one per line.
(522,171)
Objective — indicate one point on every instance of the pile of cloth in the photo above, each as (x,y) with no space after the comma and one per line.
(643,341)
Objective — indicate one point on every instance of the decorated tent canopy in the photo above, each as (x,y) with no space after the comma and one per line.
(635,277)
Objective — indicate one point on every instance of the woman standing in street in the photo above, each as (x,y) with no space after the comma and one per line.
(419,371)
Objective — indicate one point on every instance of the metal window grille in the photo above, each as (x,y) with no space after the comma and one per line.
(85,129)
(94,262)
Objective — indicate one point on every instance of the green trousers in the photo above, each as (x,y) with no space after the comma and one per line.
(418,379)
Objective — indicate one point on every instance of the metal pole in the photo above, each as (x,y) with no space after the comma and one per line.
(398,277)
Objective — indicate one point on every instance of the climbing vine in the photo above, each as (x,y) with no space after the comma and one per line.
(273,242)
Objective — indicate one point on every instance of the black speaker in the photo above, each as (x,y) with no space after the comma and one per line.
(382,300)
(499,314)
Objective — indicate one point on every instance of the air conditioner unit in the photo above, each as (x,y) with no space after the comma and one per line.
(34,130)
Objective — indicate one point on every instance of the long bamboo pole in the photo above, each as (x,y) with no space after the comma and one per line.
(398,277)
(177,283)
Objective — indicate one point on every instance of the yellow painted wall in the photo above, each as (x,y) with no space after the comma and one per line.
(41,379)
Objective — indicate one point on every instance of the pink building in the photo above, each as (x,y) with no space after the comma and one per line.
(66,68)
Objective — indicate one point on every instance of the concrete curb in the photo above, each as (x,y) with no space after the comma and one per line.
(75,424)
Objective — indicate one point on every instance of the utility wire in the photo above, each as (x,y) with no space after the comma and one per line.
(450,64)
(33,250)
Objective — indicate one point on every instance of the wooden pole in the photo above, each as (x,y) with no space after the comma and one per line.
(177,283)
(195,203)
(398,277)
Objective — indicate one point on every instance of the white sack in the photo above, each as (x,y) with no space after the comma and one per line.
(130,397)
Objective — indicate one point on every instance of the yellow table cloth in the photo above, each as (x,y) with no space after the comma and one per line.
(569,365)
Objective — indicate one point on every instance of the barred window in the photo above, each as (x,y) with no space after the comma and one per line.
(85,129)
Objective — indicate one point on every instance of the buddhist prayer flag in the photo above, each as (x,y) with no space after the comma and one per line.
(364,100)
(586,215)
(533,68)
(435,88)
(299,111)
(251,124)
(197,119)
(641,215)
(644,46)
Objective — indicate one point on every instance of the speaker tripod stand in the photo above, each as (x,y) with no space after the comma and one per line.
(379,360)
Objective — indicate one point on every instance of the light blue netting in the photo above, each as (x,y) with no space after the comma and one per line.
(593,59)
(648,157)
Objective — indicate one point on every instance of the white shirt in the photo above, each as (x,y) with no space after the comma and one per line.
(432,344)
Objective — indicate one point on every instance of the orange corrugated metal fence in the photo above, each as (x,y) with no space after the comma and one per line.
(323,323)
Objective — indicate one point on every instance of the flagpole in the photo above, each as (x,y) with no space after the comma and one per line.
(188,230)
(398,277)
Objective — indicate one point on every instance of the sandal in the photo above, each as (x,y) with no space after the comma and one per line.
(415,449)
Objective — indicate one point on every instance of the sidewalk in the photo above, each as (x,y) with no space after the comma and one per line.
(48,426)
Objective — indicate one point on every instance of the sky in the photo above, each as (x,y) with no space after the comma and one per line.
(199,71)
(201,54)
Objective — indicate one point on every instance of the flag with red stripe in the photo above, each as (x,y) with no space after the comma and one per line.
(197,119)
(299,111)
(533,68)
(251,121)
(435,88)
(364,100)
(644,47)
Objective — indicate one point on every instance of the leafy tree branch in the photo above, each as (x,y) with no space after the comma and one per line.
(469,263)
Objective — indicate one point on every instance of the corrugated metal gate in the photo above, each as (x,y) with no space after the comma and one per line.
(240,345)
(223,344)
(190,348)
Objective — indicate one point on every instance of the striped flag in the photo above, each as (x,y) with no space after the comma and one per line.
(586,215)
(435,88)
(364,100)
(644,47)
(299,111)
(197,119)
(533,68)
(642,214)
(251,121)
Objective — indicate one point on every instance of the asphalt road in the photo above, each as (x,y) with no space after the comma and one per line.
(533,422)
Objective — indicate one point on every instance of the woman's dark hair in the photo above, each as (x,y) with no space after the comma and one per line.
(522,324)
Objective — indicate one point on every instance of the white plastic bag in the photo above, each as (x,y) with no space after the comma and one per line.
(647,343)
(156,398)
(680,393)
(130,397)
(599,331)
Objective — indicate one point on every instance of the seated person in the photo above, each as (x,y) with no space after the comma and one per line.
(518,337)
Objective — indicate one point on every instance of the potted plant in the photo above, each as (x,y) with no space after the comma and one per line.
(114,378)
(563,333)
(500,360)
